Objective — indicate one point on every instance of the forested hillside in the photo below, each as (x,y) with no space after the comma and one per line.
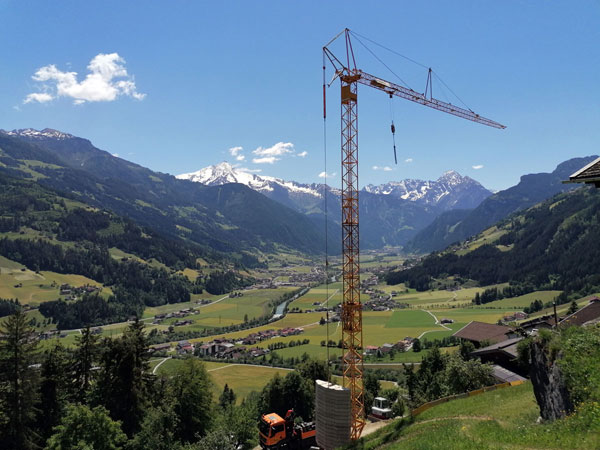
(553,245)
(228,218)
(46,231)
(455,226)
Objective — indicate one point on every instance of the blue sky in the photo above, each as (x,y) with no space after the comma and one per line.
(191,80)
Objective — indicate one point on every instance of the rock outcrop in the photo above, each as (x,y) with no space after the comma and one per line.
(548,382)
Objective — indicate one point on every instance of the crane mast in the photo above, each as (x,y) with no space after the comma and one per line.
(351,318)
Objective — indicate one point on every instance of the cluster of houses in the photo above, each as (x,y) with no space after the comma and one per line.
(497,344)
(227,348)
(224,349)
(401,346)
(49,334)
(382,303)
(71,292)
(519,315)
(158,318)
(316,275)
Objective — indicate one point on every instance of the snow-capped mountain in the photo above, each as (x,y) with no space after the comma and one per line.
(298,196)
(225,173)
(450,191)
(30,133)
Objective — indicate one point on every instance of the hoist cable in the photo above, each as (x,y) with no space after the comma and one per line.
(393,127)
(326,217)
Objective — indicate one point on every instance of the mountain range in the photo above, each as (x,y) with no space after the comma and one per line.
(552,245)
(455,226)
(449,191)
(231,211)
(229,218)
(391,213)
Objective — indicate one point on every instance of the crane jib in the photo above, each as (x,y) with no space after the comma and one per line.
(417,97)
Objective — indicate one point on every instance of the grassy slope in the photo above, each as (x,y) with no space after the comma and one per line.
(16,281)
(242,379)
(502,419)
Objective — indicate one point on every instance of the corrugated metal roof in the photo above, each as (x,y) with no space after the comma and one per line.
(505,375)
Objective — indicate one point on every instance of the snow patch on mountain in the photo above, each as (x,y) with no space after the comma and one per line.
(224,172)
(46,133)
(451,190)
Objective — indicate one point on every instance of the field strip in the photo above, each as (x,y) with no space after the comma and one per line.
(159,364)
(336,291)
(437,322)
(392,364)
(222,367)
(250,365)
(216,301)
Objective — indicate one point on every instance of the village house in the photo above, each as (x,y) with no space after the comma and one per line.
(502,353)
(207,349)
(589,314)
(484,333)
(519,315)
(371,349)
(160,347)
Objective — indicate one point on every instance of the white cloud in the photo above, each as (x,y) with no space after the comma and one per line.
(246,169)
(303,154)
(106,81)
(478,166)
(326,175)
(116,155)
(265,160)
(384,168)
(279,149)
(408,160)
(234,151)
(40,97)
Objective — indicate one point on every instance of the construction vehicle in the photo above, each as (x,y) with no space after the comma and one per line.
(276,432)
(381,409)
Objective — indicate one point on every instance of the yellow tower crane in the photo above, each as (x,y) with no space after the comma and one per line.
(351,317)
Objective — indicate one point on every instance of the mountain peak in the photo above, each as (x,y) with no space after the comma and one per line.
(451,190)
(452,175)
(224,172)
(31,133)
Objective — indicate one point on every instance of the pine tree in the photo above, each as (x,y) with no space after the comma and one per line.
(124,382)
(227,398)
(53,389)
(86,354)
(573,308)
(19,386)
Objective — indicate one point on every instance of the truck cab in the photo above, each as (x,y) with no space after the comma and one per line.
(275,432)
(272,432)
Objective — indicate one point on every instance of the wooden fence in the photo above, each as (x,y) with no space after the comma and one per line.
(426,406)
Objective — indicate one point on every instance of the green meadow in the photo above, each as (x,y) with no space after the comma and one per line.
(501,419)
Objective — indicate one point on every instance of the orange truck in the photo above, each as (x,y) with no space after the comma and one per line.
(275,432)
